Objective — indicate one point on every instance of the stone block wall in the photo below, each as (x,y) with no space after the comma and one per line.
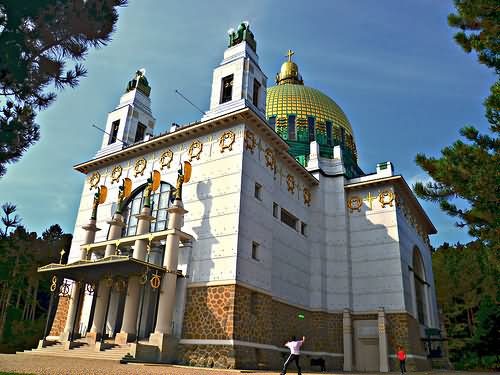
(60,317)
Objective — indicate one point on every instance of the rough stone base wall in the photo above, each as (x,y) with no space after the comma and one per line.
(220,356)
(403,330)
(60,317)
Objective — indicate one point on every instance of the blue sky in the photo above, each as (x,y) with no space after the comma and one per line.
(392,66)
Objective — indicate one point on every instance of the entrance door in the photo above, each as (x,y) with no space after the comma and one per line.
(366,351)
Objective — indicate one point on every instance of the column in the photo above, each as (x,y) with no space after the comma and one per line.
(382,341)
(115,232)
(90,231)
(131,309)
(162,336)
(72,311)
(347,330)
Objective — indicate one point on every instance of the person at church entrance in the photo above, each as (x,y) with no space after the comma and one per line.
(294,345)
(402,360)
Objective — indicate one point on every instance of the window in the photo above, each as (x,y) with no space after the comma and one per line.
(139,134)
(291,128)
(329,133)
(342,136)
(255,250)
(227,89)
(275,209)
(310,128)
(272,121)
(258,191)
(303,228)
(114,131)
(289,219)
(160,201)
(256,88)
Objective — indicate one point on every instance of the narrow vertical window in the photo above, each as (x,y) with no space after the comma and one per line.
(256,89)
(275,209)
(310,128)
(258,191)
(227,89)
(255,250)
(342,136)
(329,133)
(303,228)
(272,121)
(291,128)
(114,131)
(139,134)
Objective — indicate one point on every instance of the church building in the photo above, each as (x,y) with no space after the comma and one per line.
(215,242)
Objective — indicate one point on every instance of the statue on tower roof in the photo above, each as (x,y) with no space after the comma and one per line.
(140,83)
(243,34)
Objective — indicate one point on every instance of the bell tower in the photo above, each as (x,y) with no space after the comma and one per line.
(238,81)
(132,120)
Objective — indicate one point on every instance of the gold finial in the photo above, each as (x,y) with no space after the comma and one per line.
(62,254)
(290,53)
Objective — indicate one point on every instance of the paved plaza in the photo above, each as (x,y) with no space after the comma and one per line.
(29,364)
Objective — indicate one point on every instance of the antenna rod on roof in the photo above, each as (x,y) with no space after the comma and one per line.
(189,101)
(105,132)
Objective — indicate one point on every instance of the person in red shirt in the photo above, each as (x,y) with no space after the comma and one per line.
(402,360)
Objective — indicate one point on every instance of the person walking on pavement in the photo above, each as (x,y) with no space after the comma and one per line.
(294,347)
(402,360)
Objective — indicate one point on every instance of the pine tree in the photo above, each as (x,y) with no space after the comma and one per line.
(37,39)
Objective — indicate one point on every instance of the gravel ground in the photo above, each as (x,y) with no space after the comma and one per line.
(36,364)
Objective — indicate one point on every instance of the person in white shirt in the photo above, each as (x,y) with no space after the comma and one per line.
(294,347)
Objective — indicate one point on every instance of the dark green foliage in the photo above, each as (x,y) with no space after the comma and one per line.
(37,39)
(24,293)
(467,286)
(468,276)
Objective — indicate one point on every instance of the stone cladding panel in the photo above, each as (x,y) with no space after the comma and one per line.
(60,317)
(219,356)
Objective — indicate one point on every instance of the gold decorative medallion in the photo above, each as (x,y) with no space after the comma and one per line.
(270,160)
(354,203)
(386,198)
(94,180)
(53,284)
(166,158)
(155,281)
(250,141)
(226,140)
(139,167)
(195,150)
(307,197)
(116,173)
(290,181)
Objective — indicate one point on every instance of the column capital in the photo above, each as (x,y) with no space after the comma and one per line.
(143,216)
(116,221)
(177,210)
(91,227)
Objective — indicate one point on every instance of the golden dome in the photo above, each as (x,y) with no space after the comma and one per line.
(291,98)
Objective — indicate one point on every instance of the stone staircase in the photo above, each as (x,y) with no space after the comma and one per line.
(113,352)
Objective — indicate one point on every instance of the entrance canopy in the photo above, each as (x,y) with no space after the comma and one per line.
(95,270)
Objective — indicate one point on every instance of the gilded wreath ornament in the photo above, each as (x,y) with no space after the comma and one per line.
(139,167)
(307,197)
(195,150)
(116,173)
(226,140)
(250,141)
(386,198)
(354,203)
(270,160)
(166,158)
(94,180)
(155,281)
(290,181)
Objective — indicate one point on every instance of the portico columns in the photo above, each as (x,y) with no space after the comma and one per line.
(347,330)
(162,336)
(382,341)
(90,231)
(115,232)
(131,309)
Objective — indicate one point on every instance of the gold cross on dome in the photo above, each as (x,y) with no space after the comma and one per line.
(290,53)
(370,198)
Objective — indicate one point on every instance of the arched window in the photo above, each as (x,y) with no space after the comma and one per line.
(160,201)
(420,285)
